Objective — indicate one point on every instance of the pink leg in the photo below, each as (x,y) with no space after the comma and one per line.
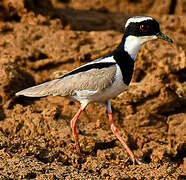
(73,126)
(116,133)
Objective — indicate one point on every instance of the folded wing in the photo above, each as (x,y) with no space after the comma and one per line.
(93,79)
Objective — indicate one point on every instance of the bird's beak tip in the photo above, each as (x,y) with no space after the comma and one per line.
(163,36)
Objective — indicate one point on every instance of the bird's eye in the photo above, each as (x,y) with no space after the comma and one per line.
(144,28)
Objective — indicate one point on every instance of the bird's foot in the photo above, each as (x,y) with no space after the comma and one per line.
(78,148)
(137,162)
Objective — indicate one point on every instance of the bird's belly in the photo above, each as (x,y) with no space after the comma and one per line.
(102,95)
(110,92)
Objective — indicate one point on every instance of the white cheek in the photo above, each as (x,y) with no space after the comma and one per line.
(133,44)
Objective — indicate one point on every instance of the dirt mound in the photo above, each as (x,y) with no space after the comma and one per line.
(40,40)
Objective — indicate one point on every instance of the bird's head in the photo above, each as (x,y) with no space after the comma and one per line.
(140,29)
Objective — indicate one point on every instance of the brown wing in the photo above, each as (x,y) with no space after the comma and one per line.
(94,79)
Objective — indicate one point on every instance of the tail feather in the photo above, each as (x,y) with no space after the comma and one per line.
(41,90)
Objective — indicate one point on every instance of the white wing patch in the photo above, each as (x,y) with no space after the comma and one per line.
(109,59)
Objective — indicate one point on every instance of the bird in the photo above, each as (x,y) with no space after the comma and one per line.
(102,79)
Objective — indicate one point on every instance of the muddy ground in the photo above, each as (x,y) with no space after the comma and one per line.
(41,40)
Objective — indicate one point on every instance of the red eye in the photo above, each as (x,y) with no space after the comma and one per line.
(144,28)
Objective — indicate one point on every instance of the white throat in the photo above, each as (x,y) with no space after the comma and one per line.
(133,44)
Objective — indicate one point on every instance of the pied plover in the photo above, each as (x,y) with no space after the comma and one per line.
(103,78)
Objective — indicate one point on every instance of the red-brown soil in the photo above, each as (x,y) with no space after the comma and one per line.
(40,40)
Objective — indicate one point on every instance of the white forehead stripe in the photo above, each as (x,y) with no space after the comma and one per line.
(137,19)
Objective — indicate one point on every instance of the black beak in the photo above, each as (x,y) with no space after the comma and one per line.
(163,36)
